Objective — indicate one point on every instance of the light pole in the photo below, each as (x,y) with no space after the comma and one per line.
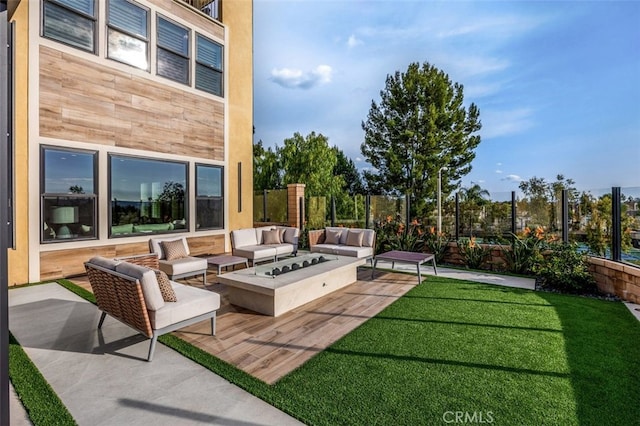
(440,197)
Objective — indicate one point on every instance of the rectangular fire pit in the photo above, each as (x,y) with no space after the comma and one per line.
(258,289)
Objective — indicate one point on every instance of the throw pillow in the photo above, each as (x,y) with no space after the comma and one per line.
(173,249)
(271,237)
(332,237)
(165,286)
(355,238)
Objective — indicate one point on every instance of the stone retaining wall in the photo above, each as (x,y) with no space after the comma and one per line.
(616,278)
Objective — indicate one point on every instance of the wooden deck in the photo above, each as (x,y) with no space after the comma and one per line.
(269,348)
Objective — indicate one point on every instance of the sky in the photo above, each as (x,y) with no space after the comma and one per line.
(557,83)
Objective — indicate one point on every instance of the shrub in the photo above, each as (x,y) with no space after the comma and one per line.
(524,252)
(391,234)
(436,243)
(473,254)
(565,268)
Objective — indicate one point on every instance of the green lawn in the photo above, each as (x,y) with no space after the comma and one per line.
(452,348)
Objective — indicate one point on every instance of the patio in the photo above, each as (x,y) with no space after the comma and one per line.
(265,347)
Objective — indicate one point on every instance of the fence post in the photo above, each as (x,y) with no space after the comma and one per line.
(565,216)
(367,210)
(457,216)
(616,225)
(408,209)
(333,211)
(264,205)
(513,213)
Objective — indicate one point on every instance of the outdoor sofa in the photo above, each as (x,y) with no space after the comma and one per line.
(133,291)
(265,242)
(354,242)
(174,260)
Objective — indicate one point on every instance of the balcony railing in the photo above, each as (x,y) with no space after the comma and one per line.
(210,8)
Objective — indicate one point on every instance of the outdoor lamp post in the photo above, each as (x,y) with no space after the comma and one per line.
(440,197)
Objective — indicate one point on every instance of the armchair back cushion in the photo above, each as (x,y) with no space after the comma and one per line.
(244,237)
(148,281)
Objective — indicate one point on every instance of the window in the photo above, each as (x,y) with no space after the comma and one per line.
(209,197)
(128,33)
(208,65)
(173,51)
(147,196)
(70,21)
(68,190)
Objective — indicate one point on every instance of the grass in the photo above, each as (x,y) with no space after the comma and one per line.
(42,404)
(497,355)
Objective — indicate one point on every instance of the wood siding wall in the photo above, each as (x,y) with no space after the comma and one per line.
(70,262)
(87,102)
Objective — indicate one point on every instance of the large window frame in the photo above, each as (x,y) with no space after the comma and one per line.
(123,38)
(168,50)
(154,209)
(65,29)
(72,214)
(209,198)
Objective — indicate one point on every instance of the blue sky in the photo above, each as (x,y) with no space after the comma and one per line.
(557,83)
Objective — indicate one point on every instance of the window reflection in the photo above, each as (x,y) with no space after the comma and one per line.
(68,195)
(147,196)
(209,197)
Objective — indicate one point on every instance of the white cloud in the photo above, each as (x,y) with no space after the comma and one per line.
(353,41)
(506,123)
(297,79)
(512,178)
(499,171)
(359,159)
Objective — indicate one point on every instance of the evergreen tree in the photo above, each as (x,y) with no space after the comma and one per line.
(419,126)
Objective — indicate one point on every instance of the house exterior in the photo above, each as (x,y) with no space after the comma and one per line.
(131,119)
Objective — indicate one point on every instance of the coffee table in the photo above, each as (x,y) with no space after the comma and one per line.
(405,257)
(226,260)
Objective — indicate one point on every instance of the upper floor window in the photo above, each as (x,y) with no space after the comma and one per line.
(208,65)
(173,51)
(70,21)
(209,197)
(147,196)
(68,191)
(128,33)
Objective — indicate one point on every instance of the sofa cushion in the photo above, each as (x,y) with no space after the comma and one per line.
(192,301)
(343,233)
(290,235)
(104,262)
(244,237)
(150,289)
(256,252)
(332,236)
(283,249)
(168,295)
(369,237)
(184,265)
(271,237)
(325,248)
(358,252)
(173,249)
(155,245)
(354,238)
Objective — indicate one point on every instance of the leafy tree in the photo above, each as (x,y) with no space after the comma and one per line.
(419,125)
(600,226)
(346,168)
(473,198)
(266,168)
(76,189)
(311,161)
(544,196)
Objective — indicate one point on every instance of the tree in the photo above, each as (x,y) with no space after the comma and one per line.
(474,198)
(346,168)
(311,161)
(266,168)
(544,197)
(419,126)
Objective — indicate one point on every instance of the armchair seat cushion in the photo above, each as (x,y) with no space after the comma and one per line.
(192,301)
(256,252)
(183,265)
